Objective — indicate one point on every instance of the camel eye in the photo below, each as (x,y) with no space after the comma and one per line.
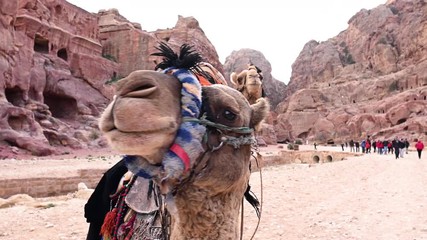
(229,115)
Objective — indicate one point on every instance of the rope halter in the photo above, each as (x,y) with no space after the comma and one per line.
(246,139)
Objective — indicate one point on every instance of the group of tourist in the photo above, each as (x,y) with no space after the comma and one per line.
(397,146)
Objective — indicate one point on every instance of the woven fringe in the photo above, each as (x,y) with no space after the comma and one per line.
(144,229)
(109,224)
(125,231)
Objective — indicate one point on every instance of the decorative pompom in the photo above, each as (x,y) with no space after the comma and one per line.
(109,224)
(186,59)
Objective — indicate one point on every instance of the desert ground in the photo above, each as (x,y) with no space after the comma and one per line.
(369,197)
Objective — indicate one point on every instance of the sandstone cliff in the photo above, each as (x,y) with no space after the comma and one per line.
(56,63)
(51,75)
(129,45)
(371,79)
(57,60)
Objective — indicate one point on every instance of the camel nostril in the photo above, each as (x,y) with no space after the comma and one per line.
(143,87)
(141,90)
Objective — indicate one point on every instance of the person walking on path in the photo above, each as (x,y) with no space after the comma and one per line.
(390,147)
(419,146)
(402,146)
(406,145)
(368,147)
(374,146)
(396,147)
(363,145)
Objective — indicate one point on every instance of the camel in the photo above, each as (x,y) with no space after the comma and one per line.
(204,188)
(249,83)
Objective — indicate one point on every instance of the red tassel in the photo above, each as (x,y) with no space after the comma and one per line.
(109,224)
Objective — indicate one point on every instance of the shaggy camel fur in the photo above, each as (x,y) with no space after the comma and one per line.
(248,82)
(143,120)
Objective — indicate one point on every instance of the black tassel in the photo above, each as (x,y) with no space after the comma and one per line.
(187,57)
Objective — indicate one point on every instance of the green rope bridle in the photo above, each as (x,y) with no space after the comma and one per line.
(246,138)
(236,142)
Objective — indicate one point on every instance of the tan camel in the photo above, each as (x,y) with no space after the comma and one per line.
(248,82)
(143,120)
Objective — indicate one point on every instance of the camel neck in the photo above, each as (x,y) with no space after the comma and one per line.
(197,220)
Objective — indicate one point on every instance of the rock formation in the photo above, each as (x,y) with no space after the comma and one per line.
(131,46)
(370,79)
(57,60)
(51,75)
(56,63)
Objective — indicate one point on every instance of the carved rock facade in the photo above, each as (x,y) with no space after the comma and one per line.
(51,75)
(55,62)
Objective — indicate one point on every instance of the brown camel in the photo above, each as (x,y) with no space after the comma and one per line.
(143,120)
(249,83)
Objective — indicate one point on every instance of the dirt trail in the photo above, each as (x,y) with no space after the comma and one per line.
(370,197)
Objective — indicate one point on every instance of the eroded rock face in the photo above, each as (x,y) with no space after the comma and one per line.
(368,80)
(56,63)
(52,74)
(132,47)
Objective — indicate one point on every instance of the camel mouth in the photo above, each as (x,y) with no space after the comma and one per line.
(116,135)
(139,132)
(163,128)
(121,124)
(139,143)
(114,129)
(140,140)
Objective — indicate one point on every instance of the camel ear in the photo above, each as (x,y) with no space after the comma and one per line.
(238,79)
(233,78)
(260,111)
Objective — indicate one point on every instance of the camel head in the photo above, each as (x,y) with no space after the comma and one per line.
(144,115)
(248,82)
(159,117)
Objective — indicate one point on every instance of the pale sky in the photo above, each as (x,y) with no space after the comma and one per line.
(282,28)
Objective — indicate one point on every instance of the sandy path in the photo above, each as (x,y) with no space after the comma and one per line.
(360,198)
(369,197)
